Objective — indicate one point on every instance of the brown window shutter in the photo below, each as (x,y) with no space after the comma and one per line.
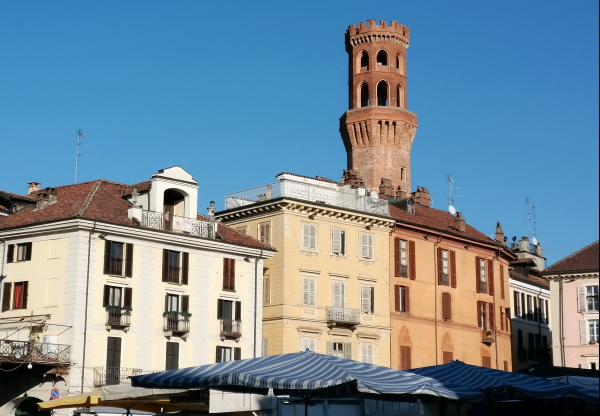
(501,281)
(218,357)
(492,318)
(412,262)
(452,268)
(397,257)
(446,357)
(446,306)
(129,260)
(505,365)
(25,293)
(219,308)
(502,314)
(232,273)
(107,244)
(28,247)
(10,256)
(440,268)
(477,275)
(486,362)
(185,303)
(225,273)
(106,298)
(396,298)
(127,300)
(479,313)
(405,359)
(166,302)
(406,300)
(238,311)
(237,353)
(165,271)
(185,268)
(7,288)
(490,277)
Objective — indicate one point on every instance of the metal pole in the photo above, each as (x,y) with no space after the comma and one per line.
(76,157)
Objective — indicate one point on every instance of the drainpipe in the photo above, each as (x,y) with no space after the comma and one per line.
(435,285)
(87,291)
(561,321)
(541,345)
(256,295)
(495,331)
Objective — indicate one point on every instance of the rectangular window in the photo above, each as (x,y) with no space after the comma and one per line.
(309,295)
(445,267)
(481,265)
(6,295)
(112,296)
(225,354)
(172,303)
(367,353)
(367,299)
(402,303)
(593,325)
(446,306)
(486,362)
(24,252)
(172,361)
(309,237)
(405,358)
(482,315)
(228,274)
(592,298)
(113,360)
(340,349)
(447,357)
(118,258)
(401,258)
(529,308)
(171,266)
(366,246)
(501,281)
(502,318)
(517,303)
(266,290)
(309,344)
(20,295)
(338,241)
(339,294)
(264,232)
(535,309)
(265,347)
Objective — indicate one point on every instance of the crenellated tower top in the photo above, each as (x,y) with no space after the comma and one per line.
(371,32)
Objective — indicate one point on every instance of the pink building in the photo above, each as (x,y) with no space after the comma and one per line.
(574,308)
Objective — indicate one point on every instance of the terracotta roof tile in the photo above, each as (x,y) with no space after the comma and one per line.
(143,186)
(18,196)
(531,279)
(585,259)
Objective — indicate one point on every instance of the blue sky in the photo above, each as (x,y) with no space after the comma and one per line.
(236,92)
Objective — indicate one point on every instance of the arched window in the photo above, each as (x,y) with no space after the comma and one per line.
(364,94)
(400,97)
(382,93)
(364,60)
(382,58)
(402,173)
(400,63)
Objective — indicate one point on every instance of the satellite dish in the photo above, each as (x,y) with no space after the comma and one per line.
(534,241)
(374,195)
(452,210)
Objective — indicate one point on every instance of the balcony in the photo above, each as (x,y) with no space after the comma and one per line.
(34,352)
(333,194)
(344,316)
(487,337)
(230,328)
(176,224)
(118,317)
(107,376)
(176,323)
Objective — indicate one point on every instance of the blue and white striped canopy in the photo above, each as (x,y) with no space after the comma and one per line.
(299,373)
(503,383)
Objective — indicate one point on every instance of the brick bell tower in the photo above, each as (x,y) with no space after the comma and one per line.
(378,130)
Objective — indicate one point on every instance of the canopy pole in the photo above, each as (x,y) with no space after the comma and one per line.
(305,406)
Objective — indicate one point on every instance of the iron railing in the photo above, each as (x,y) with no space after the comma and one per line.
(34,352)
(191,226)
(118,316)
(230,328)
(487,337)
(107,376)
(343,315)
(176,322)
(307,192)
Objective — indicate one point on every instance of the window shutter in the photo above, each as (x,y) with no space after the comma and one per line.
(447,357)
(397,257)
(129,260)
(312,236)
(107,244)
(268,233)
(440,268)
(306,235)
(372,299)
(583,332)
(237,353)
(238,311)
(505,365)
(343,241)
(266,290)
(412,261)
(106,299)
(364,249)
(185,266)
(329,347)
(479,313)
(28,247)
(185,303)
(477,275)
(337,294)
(446,306)
(10,256)
(370,239)
(365,299)
(397,297)
(305,290)
(501,281)
(232,274)
(452,268)
(336,240)
(219,308)
(491,314)
(265,347)
(405,359)
(406,300)
(175,356)
(490,277)
(225,273)
(128,297)
(348,350)
(219,354)
(311,292)
(502,315)
(25,287)
(165,271)
(581,299)
(486,362)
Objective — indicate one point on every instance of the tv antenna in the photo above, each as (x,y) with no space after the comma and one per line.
(531,219)
(77,154)
(451,196)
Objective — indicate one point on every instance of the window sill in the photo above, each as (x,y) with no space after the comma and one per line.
(308,251)
(228,290)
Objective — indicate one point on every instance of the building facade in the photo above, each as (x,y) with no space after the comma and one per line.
(102,281)
(574,308)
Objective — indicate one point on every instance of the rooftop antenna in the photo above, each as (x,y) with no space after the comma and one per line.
(451,195)
(79,136)
(531,219)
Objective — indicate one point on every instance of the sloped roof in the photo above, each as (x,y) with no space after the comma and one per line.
(531,279)
(585,259)
(12,195)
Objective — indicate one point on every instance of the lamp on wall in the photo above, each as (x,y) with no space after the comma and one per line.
(467,246)
(103,236)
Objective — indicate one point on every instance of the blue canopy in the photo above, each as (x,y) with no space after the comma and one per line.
(303,372)
(504,384)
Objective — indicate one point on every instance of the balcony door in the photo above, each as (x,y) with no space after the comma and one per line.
(339,294)
(113,360)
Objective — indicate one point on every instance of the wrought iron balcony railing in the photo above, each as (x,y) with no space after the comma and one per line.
(174,223)
(35,352)
(230,328)
(107,376)
(342,315)
(118,316)
(176,322)
(308,192)
(487,337)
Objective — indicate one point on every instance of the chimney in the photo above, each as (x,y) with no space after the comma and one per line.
(459,223)
(386,188)
(422,197)
(211,210)
(33,187)
(499,233)
(46,197)
(352,178)
(524,244)
(401,193)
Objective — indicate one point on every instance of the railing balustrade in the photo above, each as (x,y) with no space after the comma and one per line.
(118,316)
(34,352)
(107,376)
(343,315)
(174,223)
(230,328)
(176,322)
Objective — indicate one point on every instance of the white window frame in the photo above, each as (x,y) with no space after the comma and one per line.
(224,351)
(339,349)
(593,326)
(310,343)
(588,296)
(116,293)
(367,352)
(402,300)
(259,226)
(310,242)
(403,258)
(342,296)
(367,299)
(309,291)
(338,247)
(366,249)
(483,275)
(21,252)
(445,267)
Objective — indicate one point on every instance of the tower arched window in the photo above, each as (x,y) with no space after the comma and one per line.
(364,60)
(364,94)
(382,58)
(400,63)
(400,96)
(382,94)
